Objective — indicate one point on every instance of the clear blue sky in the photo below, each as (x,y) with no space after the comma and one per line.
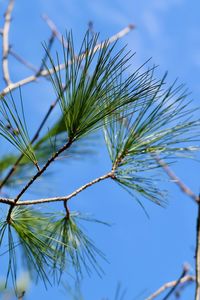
(142,253)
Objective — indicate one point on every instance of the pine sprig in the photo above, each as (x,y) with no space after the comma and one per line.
(164,126)
(26,231)
(73,247)
(49,246)
(96,85)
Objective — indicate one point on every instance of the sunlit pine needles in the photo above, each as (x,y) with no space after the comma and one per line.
(25,231)
(163,126)
(96,84)
(73,248)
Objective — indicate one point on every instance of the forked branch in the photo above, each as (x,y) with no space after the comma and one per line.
(184,280)
(56,199)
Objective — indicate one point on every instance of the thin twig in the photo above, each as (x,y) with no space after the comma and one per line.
(56,199)
(54,30)
(197,256)
(5,42)
(45,73)
(22,60)
(185,189)
(171,284)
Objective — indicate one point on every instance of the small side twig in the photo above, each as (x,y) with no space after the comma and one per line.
(5,42)
(54,30)
(22,60)
(66,210)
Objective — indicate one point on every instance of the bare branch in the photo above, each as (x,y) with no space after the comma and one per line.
(56,199)
(5,45)
(171,284)
(45,73)
(186,190)
(7,201)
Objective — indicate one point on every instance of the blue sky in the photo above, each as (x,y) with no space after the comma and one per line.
(142,253)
